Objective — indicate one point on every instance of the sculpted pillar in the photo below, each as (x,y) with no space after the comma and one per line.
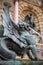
(16,11)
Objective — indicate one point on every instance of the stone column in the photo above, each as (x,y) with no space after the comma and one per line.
(16,11)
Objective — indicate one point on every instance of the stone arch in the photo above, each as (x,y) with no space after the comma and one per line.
(25,8)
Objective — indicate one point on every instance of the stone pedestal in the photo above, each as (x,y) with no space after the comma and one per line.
(21,63)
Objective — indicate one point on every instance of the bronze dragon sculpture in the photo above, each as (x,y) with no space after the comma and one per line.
(10,48)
